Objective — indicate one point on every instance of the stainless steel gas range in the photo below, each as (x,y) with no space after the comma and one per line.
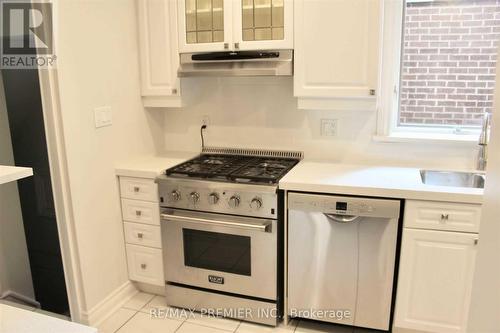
(222,232)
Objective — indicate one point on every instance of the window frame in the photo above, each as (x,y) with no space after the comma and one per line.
(388,129)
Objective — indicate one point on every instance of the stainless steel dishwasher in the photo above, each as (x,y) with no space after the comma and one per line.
(341,258)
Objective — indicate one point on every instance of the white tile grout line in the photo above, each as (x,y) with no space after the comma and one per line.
(236,329)
(142,307)
(136,312)
(202,325)
(179,326)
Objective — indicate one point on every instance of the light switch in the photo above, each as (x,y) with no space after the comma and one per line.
(103,116)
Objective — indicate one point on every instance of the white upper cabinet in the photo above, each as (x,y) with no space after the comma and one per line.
(435,281)
(223,25)
(204,25)
(263,24)
(159,56)
(337,51)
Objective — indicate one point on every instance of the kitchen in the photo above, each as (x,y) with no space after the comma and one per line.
(119,117)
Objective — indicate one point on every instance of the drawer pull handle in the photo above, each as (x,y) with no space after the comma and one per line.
(476,241)
(136,189)
(143,266)
(138,213)
(445,217)
(140,235)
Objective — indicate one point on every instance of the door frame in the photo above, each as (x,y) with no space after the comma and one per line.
(49,92)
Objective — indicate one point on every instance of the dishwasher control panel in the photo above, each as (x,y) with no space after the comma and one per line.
(340,205)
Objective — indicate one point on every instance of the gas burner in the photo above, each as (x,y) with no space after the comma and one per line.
(271,165)
(234,168)
(213,162)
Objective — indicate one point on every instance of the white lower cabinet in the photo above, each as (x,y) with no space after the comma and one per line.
(141,227)
(435,280)
(443,216)
(138,189)
(145,264)
(141,211)
(142,234)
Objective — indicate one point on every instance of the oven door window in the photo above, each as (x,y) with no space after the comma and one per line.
(217,251)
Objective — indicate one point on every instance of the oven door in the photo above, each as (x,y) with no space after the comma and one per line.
(220,252)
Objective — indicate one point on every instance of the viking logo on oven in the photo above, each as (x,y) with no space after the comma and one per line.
(215,279)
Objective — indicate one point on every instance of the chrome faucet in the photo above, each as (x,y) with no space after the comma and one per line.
(484,138)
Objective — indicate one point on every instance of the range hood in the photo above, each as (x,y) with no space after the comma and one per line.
(237,63)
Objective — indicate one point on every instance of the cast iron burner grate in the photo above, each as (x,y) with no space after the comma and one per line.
(235,168)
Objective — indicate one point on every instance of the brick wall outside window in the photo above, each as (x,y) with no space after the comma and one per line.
(449,60)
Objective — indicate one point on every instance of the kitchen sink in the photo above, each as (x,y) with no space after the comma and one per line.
(453,178)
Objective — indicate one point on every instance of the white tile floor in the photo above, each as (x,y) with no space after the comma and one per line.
(135,317)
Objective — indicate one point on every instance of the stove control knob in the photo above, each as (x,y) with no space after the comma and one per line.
(175,195)
(194,197)
(213,198)
(256,203)
(234,201)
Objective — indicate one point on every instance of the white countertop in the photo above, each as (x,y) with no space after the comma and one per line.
(325,177)
(151,166)
(15,320)
(12,173)
(377,181)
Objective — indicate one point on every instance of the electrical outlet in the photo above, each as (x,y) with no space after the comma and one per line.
(103,116)
(329,127)
(205,120)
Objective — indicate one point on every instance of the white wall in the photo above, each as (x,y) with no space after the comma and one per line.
(485,306)
(98,66)
(262,113)
(15,273)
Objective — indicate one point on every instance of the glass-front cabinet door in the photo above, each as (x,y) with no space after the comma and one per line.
(218,25)
(262,24)
(205,25)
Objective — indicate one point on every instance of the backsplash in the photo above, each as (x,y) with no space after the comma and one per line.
(262,113)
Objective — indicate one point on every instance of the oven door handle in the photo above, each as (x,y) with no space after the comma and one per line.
(263,227)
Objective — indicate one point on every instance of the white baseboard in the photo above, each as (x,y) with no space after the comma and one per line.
(110,304)
(25,299)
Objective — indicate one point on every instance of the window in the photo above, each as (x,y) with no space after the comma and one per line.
(445,67)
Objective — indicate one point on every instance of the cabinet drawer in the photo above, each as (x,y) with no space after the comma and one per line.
(139,189)
(442,216)
(142,234)
(141,211)
(145,264)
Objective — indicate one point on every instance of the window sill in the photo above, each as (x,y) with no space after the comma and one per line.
(437,138)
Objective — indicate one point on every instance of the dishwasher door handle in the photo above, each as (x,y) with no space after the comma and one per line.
(341,218)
